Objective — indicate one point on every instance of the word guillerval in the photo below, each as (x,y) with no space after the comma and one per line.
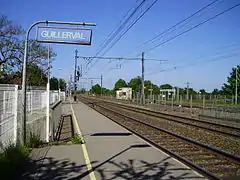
(63,35)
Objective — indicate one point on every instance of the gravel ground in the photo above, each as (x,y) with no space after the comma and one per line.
(228,144)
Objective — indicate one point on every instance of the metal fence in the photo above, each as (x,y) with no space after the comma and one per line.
(8,113)
(199,106)
(55,119)
(11,112)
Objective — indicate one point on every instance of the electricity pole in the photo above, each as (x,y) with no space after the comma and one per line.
(75,75)
(75,70)
(236,88)
(91,85)
(123,58)
(188,83)
(142,93)
(101,84)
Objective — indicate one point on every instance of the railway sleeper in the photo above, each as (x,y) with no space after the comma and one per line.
(193,153)
(204,158)
(225,171)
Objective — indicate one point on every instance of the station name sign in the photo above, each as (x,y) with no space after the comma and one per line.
(64,35)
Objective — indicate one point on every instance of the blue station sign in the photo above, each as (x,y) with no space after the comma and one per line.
(64,35)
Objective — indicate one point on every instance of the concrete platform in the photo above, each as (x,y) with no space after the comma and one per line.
(111,152)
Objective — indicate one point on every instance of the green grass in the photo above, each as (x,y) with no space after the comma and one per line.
(34,141)
(12,159)
(14,156)
(76,139)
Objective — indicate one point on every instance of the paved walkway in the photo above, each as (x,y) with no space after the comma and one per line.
(115,153)
(58,162)
(110,153)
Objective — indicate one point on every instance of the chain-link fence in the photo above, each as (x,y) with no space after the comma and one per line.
(11,110)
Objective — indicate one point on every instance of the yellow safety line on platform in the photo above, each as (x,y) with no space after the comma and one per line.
(84,148)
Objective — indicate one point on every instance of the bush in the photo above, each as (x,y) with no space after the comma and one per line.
(34,141)
(76,139)
(12,159)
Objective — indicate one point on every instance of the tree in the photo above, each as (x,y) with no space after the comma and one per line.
(107,91)
(202,91)
(53,83)
(229,87)
(191,91)
(135,84)
(120,84)
(9,43)
(149,85)
(96,89)
(215,92)
(166,86)
(12,49)
(36,76)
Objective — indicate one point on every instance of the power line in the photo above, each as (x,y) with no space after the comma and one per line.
(121,58)
(233,47)
(194,27)
(115,29)
(111,36)
(180,22)
(193,64)
(128,28)
(123,25)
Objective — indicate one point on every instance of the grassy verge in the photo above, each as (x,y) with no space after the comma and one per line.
(12,160)
(14,157)
(76,139)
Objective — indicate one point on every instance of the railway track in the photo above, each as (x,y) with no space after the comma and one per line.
(215,138)
(212,162)
(210,126)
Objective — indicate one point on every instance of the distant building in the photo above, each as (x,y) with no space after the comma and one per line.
(124,93)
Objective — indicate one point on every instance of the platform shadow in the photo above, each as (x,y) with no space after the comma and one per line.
(138,169)
(112,134)
(48,168)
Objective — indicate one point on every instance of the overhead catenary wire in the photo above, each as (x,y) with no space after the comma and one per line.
(180,22)
(194,27)
(129,27)
(177,25)
(121,25)
(232,48)
(224,57)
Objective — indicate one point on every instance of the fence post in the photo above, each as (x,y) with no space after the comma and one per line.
(15,112)
(203,103)
(181,103)
(165,103)
(191,104)
(172,102)
(47,112)
(31,101)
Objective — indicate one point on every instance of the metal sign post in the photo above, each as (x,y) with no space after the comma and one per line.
(58,35)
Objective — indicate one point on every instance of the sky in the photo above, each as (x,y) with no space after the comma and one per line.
(204,56)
